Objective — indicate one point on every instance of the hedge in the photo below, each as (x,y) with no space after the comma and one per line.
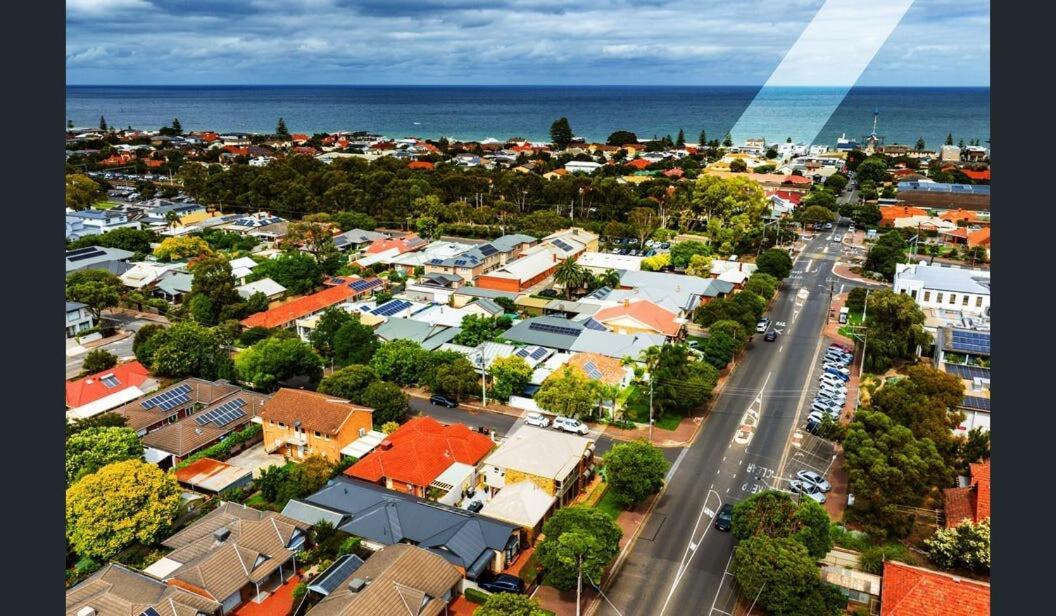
(476,596)
(222,450)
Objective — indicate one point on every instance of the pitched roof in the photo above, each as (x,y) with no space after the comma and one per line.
(200,392)
(522,503)
(955,215)
(523,450)
(971,502)
(404,579)
(194,431)
(106,383)
(980,237)
(300,307)
(645,312)
(316,412)
(977,175)
(608,370)
(420,451)
(116,590)
(912,591)
(891,213)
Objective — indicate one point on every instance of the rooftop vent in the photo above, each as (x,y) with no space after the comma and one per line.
(357,584)
(222,533)
(86,611)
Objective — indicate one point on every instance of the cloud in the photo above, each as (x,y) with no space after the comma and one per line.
(493,41)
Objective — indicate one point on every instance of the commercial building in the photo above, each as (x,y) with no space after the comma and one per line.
(952,288)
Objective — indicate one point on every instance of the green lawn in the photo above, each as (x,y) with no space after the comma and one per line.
(105,205)
(637,409)
(854,319)
(608,505)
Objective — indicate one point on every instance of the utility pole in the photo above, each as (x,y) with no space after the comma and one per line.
(865,342)
(650,408)
(483,386)
(579,584)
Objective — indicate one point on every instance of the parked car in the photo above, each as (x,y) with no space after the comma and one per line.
(840,356)
(838,367)
(724,518)
(814,416)
(836,373)
(797,486)
(548,293)
(814,478)
(570,425)
(828,225)
(537,419)
(770,336)
(842,347)
(762,325)
(837,238)
(475,506)
(503,582)
(439,400)
(834,398)
(832,391)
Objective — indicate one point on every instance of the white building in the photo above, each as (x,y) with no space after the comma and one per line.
(949,288)
(582,166)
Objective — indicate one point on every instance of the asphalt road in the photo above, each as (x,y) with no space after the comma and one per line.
(678,564)
(503,424)
(121,348)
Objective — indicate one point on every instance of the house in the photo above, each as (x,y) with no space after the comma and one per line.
(913,591)
(146,273)
(518,275)
(299,423)
(430,337)
(954,288)
(605,370)
(381,517)
(258,224)
(551,332)
(286,314)
(840,567)
(113,260)
(172,443)
(213,476)
(614,345)
(174,285)
(599,263)
(891,213)
(233,555)
(393,578)
(357,239)
(271,289)
(382,250)
(241,268)
(116,590)
(564,470)
(78,319)
(939,196)
(98,222)
(970,502)
(525,504)
(464,295)
(427,459)
(581,166)
(640,317)
(975,405)
(103,391)
(174,403)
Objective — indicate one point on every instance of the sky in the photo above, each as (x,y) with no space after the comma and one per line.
(553,42)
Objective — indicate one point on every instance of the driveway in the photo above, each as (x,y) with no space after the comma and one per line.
(122,347)
(256,459)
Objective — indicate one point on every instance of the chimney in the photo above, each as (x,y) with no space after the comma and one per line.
(221,534)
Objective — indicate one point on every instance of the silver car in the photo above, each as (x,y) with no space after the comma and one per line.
(815,479)
(797,486)
(537,419)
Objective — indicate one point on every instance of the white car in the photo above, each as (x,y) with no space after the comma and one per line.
(537,419)
(797,486)
(762,325)
(814,478)
(570,425)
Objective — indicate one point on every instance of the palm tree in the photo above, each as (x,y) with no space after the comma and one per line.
(569,275)
(172,218)
(611,279)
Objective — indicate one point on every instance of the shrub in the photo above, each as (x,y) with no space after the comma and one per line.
(476,596)
(872,559)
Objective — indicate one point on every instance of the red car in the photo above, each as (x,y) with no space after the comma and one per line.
(842,347)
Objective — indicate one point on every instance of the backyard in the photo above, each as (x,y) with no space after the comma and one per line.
(636,409)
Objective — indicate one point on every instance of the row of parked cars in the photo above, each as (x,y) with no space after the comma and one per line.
(565,424)
(832,386)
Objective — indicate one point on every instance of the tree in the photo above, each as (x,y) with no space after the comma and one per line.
(965,546)
(176,126)
(566,392)
(643,219)
(886,254)
(683,252)
(570,275)
(182,248)
(509,604)
(400,361)
(872,169)
(579,521)
(258,302)
(925,402)
(774,262)
(213,280)
(93,448)
(815,214)
(561,133)
(783,577)
(856,299)
(509,376)
(388,401)
(836,183)
(96,289)
(477,329)
(82,192)
(635,471)
(770,514)
(349,382)
(98,360)
(622,138)
(888,469)
(280,128)
(189,349)
(763,285)
(738,166)
(894,327)
(727,141)
(354,343)
(702,140)
(322,336)
(311,474)
(920,144)
(119,504)
(268,362)
(974,447)
(680,141)
(125,238)
(456,378)
(103,127)
(103,420)
(143,345)
(297,271)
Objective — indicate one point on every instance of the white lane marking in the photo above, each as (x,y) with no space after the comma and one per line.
(674,467)
(806,270)
(691,551)
(721,582)
(782,348)
(802,399)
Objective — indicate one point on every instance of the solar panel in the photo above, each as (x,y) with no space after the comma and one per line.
(81,251)
(487,250)
(90,255)
(391,307)
(592,324)
(970,341)
(975,402)
(562,245)
(149,612)
(110,381)
(179,394)
(521,352)
(968,372)
(539,353)
(363,284)
(223,414)
(592,370)
(554,329)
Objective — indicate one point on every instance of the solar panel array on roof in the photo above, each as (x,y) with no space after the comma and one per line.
(521,353)
(563,245)
(81,251)
(553,329)
(110,381)
(600,293)
(968,372)
(487,250)
(87,255)
(970,341)
(363,284)
(977,403)
(591,323)
(391,307)
(169,399)
(223,414)
(149,612)
(592,370)
(539,353)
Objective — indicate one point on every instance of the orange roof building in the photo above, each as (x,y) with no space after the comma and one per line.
(979,237)
(607,370)
(978,176)
(970,503)
(410,459)
(109,389)
(639,163)
(642,316)
(957,215)
(285,314)
(912,591)
(890,213)
(422,165)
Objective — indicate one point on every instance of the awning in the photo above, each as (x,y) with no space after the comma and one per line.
(480,565)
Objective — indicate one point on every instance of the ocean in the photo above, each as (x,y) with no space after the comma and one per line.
(479,112)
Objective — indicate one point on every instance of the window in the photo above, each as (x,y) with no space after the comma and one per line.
(953,298)
(938,298)
(913,294)
(965,301)
(317,435)
(979,302)
(927,296)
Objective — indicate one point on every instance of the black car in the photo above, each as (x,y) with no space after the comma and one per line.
(770,336)
(503,582)
(443,401)
(475,506)
(724,519)
(548,293)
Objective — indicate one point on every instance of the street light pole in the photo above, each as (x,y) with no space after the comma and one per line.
(483,386)
(650,408)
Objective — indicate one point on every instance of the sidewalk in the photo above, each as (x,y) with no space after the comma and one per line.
(679,437)
(842,270)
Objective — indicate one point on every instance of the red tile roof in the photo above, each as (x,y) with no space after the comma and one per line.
(788,195)
(403,244)
(971,503)
(912,591)
(955,215)
(639,163)
(980,237)
(977,175)
(421,164)
(645,312)
(674,172)
(301,307)
(891,213)
(91,388)
(420,451)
